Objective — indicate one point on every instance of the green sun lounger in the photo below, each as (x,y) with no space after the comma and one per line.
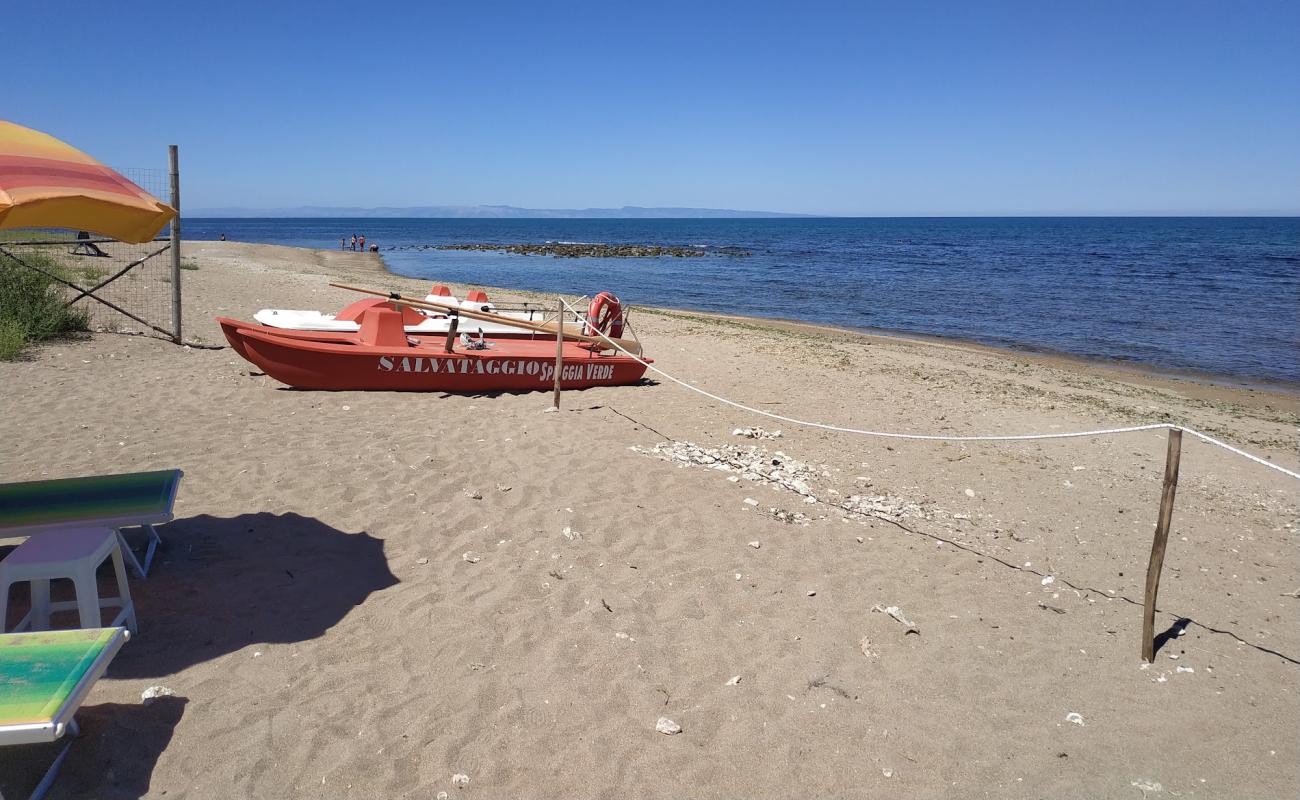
(137,499)
(44,677)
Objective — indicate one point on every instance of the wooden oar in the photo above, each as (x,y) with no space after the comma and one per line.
(628,344)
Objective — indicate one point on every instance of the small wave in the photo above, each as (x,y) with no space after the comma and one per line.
(592,244)
(1288,259)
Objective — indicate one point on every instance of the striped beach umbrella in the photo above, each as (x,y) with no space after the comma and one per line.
(45,183)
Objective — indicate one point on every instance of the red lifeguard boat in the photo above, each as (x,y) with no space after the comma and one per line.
(380,355)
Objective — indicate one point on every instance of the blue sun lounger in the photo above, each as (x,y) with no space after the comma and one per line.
(137,499)
(44,677)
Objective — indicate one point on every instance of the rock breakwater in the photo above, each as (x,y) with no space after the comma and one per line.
(598,250)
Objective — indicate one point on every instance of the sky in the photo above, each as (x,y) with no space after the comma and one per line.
(855,108)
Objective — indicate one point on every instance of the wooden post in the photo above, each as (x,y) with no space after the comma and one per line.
(451,332)
(559,354)
(1158,544)
(173,158)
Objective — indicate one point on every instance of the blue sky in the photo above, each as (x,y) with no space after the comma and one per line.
(891,108)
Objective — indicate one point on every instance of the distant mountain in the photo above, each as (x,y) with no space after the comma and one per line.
(487,212)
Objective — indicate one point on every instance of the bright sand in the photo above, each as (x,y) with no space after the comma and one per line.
(366,594)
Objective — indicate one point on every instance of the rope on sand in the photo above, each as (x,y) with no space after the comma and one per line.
(1159,426)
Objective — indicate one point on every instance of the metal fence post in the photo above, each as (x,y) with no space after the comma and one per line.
(174,164)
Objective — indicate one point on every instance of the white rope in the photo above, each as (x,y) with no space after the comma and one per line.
(1242,453)
(933,438)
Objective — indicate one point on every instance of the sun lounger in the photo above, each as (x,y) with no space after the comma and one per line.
(141,499)
(44,677)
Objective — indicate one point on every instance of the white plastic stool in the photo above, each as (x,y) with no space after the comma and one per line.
(74,553)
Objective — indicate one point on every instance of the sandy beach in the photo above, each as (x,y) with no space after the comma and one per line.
(366,594)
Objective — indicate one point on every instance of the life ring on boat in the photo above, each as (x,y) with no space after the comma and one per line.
(605,314)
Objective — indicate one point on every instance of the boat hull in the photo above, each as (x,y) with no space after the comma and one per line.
(506,366)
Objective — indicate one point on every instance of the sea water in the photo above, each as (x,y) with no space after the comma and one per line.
(1214,295)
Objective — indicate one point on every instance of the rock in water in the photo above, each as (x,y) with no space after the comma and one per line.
(595,250)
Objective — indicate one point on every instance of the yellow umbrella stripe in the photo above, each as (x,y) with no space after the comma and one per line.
(45,183)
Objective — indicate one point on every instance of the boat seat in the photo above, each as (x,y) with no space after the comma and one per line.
(440,299)
(353,311)
(382,327)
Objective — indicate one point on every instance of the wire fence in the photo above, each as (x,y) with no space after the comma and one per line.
(133,281)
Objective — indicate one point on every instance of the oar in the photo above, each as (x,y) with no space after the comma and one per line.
(628,344)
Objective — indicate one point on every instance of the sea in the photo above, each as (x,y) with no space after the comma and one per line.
(1216,296)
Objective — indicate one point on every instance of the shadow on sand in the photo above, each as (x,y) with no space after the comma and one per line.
(113,759)
(217,585)
(222,584)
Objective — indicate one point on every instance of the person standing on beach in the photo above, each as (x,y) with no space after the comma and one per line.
(362,242)
(343,243)
(354,242)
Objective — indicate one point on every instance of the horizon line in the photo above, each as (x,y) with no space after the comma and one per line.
(206,213)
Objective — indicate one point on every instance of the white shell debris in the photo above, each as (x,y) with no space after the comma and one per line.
(473,494)
(153,693)
(749,501)
(887,772)
(756,433)
(460,779)
(735,680)
(471,557)
(969,492)
(442,796)
(1074,717)
(571,534)
(883,506)
(756,544)
(756,464)
(791,517)
(667,726)
(1147,786)
(1048,580)
(422,561)
(897,614)
(812,592)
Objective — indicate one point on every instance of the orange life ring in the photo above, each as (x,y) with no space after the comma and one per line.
(605,314)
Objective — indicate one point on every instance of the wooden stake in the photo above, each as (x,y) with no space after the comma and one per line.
(174,171)
(451,332)
(559,355)
(1158,544)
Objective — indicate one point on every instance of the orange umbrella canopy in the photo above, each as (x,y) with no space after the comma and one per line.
(45,183)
